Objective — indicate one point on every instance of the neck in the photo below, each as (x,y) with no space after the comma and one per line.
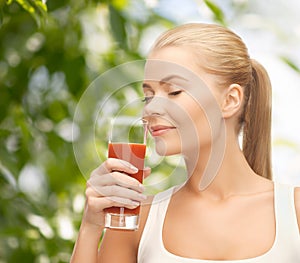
(226,175)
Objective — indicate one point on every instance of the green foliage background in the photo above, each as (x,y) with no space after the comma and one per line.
(46,63)
(44,70)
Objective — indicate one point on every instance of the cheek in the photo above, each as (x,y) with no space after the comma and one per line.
(199,118)
(195,131)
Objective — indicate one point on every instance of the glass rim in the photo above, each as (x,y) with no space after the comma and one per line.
(130,121)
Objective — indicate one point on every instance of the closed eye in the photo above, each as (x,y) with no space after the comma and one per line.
(174,93)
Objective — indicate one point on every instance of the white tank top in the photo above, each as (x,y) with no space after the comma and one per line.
(285,249)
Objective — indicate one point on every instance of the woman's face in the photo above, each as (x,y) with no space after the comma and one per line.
(183,113)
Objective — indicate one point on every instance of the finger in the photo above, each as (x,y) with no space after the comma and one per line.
(113,164)
(97,204)
(117,191)
(122,202)
(116,178)
(114,190)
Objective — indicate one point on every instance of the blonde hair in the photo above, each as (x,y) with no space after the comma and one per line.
(226,56)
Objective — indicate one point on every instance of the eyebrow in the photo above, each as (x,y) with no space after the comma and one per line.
(166,79)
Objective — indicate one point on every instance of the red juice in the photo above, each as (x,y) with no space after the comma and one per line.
(133,153)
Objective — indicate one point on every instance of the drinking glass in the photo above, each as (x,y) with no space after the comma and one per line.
(127,141)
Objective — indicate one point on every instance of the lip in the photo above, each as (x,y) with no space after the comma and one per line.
(159,130)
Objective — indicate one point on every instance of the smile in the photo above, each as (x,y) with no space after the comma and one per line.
(160,130)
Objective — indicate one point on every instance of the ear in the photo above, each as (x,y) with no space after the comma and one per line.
(232,100)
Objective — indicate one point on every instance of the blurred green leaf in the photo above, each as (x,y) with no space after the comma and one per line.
(285,142)
(217,11)
(119,4)
(26,6)
(36,8)
(290,63)
(117,24)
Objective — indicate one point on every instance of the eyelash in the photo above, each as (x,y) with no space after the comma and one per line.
(174,93)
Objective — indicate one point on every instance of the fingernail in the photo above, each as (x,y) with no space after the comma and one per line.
(130,166)
(142,187)
(133,168)
(135,203)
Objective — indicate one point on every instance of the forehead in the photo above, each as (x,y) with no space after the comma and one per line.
(180,61)
(169,61)
(179,55)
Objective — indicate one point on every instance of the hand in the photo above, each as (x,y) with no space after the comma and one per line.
(109,186)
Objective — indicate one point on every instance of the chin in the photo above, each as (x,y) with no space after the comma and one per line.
(166,149)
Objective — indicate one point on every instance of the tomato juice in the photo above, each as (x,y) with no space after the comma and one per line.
(133,153)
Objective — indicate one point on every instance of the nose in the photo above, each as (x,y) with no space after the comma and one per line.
(155,107)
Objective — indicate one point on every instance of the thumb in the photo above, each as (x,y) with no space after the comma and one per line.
(147,172)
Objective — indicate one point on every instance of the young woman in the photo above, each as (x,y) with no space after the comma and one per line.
(228,209)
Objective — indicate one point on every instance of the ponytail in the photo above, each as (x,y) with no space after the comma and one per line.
(257,122)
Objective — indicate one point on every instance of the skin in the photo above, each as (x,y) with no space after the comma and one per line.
(235,199)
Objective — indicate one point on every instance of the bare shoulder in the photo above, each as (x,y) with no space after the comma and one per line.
(122,246)
(297,204)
